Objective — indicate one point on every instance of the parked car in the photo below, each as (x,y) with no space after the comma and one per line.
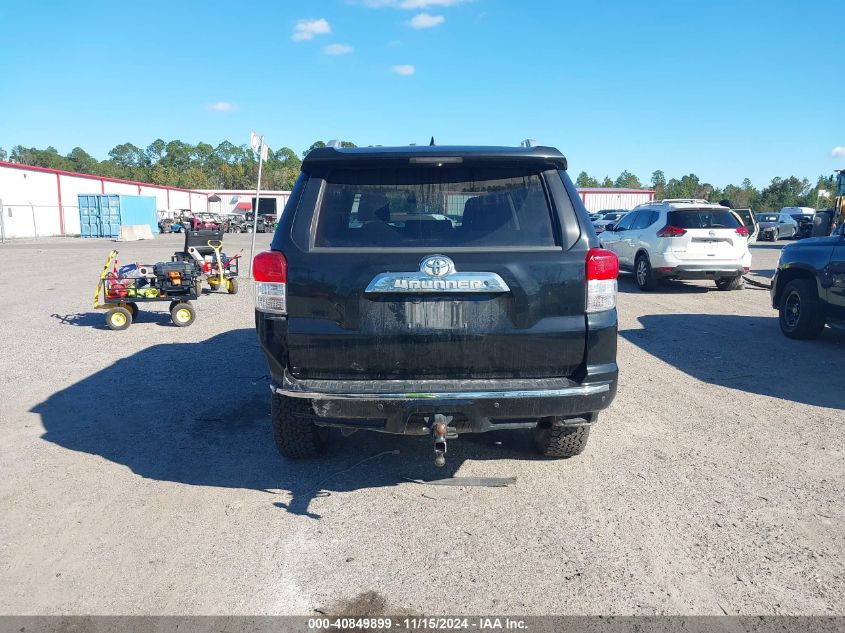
(607,218)
(805,224)
(808,288)
(681,240)
(598,215)
(792,211)
(378,310)
(774,226)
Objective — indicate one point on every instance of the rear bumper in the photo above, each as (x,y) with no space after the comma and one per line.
(396,406)
(701,271)
(668,264)
(477,405)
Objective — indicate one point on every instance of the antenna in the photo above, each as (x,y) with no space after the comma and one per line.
(431,144)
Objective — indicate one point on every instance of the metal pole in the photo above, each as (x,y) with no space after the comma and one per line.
(2,223)
(257,201)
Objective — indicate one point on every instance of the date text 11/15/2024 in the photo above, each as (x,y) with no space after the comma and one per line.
(418,623)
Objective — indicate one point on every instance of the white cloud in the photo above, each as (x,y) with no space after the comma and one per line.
(404,69)
(425,4)
(838,152)
(337,49)
(426,21)
(411,5)
(308,29)
(222,106)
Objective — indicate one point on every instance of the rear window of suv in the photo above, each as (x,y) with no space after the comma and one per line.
(437,206)
(703,219)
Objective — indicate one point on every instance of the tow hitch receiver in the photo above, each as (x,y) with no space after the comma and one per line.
(440,432)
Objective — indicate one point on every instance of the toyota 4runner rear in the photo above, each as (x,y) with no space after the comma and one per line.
(436,291)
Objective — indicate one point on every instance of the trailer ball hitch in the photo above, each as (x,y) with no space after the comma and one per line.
(439,433)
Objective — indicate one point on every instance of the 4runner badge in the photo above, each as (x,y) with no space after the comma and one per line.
(437,274)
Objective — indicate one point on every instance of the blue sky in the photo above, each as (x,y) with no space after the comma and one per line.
(722,89)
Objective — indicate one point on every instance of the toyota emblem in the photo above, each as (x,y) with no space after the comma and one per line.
(437,266)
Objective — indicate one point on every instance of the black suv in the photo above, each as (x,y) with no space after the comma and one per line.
(808,288)
(436,291)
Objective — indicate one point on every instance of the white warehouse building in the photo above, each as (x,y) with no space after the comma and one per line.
(598,198)
(243,200)
(39,202)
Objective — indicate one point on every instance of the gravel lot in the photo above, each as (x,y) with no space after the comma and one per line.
(139,475)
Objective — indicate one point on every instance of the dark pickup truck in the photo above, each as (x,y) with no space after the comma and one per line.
(808,288)
(436,291)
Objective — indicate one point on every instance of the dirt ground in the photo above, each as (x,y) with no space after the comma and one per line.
(138,474)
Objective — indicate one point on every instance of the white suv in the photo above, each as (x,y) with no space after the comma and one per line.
(681,239)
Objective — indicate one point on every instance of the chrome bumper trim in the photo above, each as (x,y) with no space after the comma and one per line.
(583,390)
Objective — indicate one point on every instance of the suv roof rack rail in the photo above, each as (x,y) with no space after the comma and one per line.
(683,201)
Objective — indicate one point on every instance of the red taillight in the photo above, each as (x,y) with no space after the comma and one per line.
(270,270)
(602,270)
(602,264)
(670,231)
(743,231)
(270,266)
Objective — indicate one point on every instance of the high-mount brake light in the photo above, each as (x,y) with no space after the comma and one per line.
(671,231)
(602,271)
(270,269)
(435,160)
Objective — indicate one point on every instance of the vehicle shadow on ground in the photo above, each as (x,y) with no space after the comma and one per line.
(628,285)
(198,414)
(747,354)
(82,319)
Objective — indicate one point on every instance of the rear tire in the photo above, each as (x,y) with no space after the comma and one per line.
(800,313)
(296,436)
(182,314)
(561,441)
(232,286)
(730,283)
(118,318)
(644,274)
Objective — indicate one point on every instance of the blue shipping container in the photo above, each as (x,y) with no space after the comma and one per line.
(101,215)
